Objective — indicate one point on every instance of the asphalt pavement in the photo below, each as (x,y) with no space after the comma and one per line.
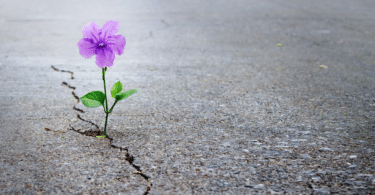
(170,45)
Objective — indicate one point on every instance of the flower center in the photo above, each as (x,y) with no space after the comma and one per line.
(101,44)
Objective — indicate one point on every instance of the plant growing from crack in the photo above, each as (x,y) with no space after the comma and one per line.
(103,43)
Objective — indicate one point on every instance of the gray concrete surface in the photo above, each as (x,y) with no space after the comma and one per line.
(207,72)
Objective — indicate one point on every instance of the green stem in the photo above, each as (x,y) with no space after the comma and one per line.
(106,102)
(105,126)
(113,106)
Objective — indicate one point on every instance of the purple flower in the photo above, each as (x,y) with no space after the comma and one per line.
(101,42)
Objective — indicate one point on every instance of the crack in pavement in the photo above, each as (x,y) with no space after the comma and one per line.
(97,132)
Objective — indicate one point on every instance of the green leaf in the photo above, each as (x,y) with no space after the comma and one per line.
(93,99)
(126,94)
(116,88)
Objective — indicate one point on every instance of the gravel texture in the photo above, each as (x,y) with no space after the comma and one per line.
(224,114)
(257,142)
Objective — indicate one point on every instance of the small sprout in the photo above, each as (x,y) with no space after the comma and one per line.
(323,67)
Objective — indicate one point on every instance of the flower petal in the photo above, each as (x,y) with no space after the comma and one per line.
(104,57)
(109,28)
(117,43)
(86,47)
(91,31)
